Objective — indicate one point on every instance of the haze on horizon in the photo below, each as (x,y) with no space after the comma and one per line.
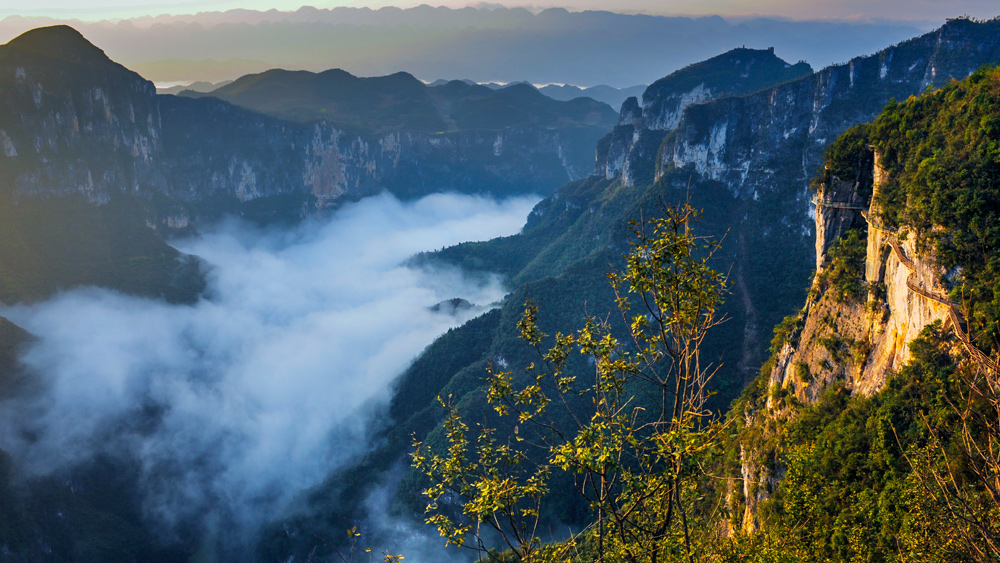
(926,12)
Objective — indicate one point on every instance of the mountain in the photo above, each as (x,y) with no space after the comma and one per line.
(486,44)
(200,86)
(92,151)
(72,124)
(884,382)
(12,341)
(400,102)
(610,95)
(641,129)
(96,170)
(746,159)
(77,124)
(560,261)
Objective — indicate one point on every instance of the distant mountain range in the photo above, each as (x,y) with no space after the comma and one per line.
(97,163)
(610,95)
(400,102)
(486,45)
(197,86)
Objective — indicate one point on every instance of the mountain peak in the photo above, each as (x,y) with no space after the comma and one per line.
(739,71)
(58,41)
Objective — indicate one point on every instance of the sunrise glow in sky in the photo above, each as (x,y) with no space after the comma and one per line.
(929,11)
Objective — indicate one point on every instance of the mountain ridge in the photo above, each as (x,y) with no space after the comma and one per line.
(522,47)
(104,131)
(642,127)
(559,258)
(400,102)
(60,42)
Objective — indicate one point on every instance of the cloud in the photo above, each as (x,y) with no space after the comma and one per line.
(235,404)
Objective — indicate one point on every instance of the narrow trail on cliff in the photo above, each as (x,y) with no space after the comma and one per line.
(955,318)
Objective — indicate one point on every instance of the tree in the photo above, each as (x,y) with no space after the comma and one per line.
(636,454)
(959,469)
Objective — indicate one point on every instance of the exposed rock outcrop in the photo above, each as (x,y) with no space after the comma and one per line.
(765,146)
(854,343)
(781,132)
(630,149)
(73,122)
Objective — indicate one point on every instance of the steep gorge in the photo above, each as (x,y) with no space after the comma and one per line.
(746,158)
(764,148)
(859,402)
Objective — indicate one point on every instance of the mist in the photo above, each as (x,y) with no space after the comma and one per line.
(234,405)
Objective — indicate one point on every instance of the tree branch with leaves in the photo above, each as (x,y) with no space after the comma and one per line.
(635,452)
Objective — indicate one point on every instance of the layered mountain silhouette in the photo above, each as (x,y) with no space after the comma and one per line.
(400,102)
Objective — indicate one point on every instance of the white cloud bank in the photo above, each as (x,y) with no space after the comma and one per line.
(232,405)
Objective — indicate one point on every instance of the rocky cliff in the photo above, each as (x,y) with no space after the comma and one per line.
(633,145)
(765,146)
(903,296)
(780,132)
(849,342)
(72,122)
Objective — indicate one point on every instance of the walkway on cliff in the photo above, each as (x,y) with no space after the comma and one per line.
(836,204)
(954,314)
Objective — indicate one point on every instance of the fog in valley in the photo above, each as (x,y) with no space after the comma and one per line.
(234,405)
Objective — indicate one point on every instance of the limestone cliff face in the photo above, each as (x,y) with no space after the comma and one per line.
(839,209)
(765,146)
(780,132)
(213,147)
(871,336)
(55,117)
(856,343)
(73,122)
(628,151)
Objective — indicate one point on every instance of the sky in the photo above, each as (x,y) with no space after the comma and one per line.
(901,10)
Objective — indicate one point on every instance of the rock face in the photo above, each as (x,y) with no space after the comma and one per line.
(72,122)
(763,144)
(641,129)
(859,343)
(839,207)
(779,133)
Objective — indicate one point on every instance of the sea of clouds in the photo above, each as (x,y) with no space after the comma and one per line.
(237,403)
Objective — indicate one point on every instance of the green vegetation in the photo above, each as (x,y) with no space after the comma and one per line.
(636,459)
(941,154)
(785,332)
(850,159)
(12,339)
(56,244)
(904,475)
(559,260)
(860,472)
(846,271)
